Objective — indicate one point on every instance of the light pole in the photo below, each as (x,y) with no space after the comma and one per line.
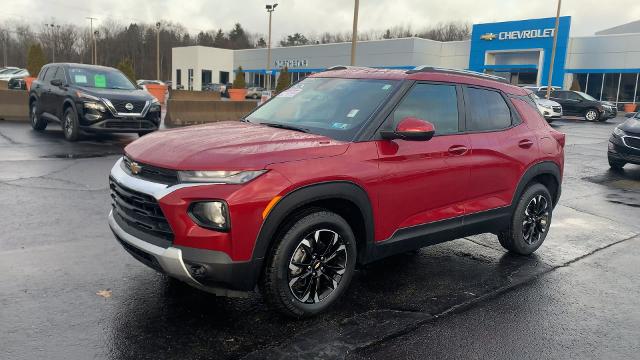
(553,50)
(93,61)
(270,10)
(158,50)
(53,40)
(354,35)
(95,47)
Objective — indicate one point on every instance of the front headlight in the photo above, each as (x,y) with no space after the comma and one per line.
(210,214)
(548,107)
(617,132)
(220,177)
(94,105)
(155,105)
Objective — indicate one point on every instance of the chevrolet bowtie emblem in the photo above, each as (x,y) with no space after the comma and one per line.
(135,168)
(488,36)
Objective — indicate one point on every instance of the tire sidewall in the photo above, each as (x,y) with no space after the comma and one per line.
(290,241)
(586,115)
(519,243)
(73,136)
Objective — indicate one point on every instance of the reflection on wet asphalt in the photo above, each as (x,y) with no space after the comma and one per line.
(56,252)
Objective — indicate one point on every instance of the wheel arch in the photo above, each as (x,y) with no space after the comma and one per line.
(342,197)
(547,173)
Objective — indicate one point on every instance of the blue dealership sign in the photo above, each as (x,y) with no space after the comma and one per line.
(515,38)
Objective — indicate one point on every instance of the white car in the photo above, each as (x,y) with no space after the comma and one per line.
(551,110)
(10,73)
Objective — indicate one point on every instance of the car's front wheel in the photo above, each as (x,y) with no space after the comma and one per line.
(70,125)
(530,221)
(311,264)
(591,115)
(616,164)
(37,122)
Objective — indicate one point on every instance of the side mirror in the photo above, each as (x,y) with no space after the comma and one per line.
(411,129)
(56,82)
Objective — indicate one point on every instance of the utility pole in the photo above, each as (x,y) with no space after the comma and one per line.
(5,36)
(95,47)
(270,10)
(158,51)
(354,35)
(93,60)
(553,50)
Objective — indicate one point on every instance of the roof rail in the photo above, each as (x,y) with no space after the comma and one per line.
(425,68)
(338,67)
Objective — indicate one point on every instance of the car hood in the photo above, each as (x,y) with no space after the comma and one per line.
(230,145)
(631,126)
(545,102)
(117,94)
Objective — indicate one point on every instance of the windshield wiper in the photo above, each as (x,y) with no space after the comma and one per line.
(284,126)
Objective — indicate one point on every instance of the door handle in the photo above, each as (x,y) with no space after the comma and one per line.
(525,143)
(458,150)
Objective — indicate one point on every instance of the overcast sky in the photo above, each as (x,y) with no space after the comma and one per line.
(317,16)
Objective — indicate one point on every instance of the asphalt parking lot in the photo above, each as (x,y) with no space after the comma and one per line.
(57,252)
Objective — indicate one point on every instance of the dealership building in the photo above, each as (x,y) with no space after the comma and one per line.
(605,65)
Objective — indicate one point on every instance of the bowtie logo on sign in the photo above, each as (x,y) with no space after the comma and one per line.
(518,35)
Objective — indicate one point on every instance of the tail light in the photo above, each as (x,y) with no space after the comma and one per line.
(560,137)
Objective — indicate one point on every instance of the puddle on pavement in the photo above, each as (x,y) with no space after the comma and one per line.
(81,155)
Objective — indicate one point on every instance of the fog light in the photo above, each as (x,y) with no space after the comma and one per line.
(210,214)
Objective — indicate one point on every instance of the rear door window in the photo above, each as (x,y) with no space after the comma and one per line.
(487,110)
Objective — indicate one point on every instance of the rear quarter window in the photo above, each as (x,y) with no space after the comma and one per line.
(487,110)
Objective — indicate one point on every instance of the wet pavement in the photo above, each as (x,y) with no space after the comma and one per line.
(56,252)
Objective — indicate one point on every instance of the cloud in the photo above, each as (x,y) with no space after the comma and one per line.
(317,16)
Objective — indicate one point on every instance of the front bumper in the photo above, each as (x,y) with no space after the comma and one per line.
(610,113)
(173,262)
(619,151)
(121,126)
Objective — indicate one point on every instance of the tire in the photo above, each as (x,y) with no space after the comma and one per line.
(305,288)
(616,164)
(591,114)
(70,126)
(526,234)
(37,122)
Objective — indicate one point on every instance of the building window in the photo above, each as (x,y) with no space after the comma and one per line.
(178,77)
(610,88)
(206,77)
(594,85)
(628,88)
(190,79)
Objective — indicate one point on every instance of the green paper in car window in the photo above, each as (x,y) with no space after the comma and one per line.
(100,81)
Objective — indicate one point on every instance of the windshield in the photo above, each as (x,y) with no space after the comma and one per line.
(336,108)
(100,78)
(586,96)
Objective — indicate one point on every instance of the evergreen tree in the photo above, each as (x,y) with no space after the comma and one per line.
(125,66)
(239,82)
(284,80)
(35,59)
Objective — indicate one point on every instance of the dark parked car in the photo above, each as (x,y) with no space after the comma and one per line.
(89,98)
(577,103)
(347,167)
(624,143)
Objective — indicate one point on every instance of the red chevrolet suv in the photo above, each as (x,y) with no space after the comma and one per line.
(343,168)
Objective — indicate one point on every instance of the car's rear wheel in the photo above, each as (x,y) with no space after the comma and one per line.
(37,122)
(616,164)
(530,221)
(311,265)
(591,115)
(70,125)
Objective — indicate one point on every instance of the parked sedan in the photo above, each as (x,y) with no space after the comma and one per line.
(580,104)
(551,110)
(624,143)
(13,73)
(255,92)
